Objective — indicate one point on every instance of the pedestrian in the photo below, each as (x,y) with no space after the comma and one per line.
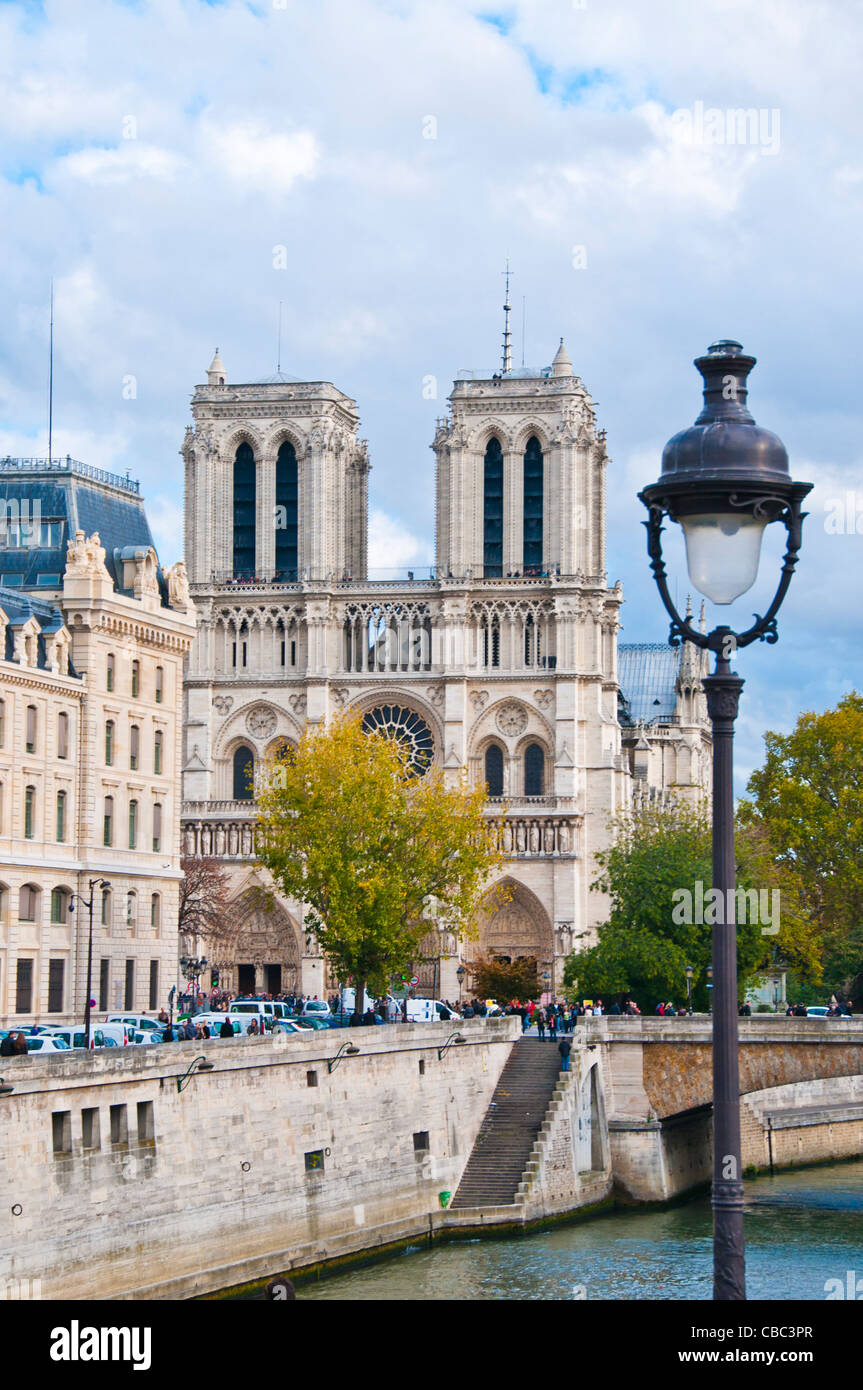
(227,1029)
(168,1035)
(540,1024)
(190,1032)
(7,1046)
(552,1025)
(19,1045)
(564,1047)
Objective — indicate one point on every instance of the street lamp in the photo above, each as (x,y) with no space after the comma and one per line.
(76,897)
(724,480)
(689,973)
(460,974)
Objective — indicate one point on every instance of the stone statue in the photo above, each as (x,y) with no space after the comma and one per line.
(178,586)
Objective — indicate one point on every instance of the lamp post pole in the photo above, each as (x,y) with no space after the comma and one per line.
(723,689)
(76,897)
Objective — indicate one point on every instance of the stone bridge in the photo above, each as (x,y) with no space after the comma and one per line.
(795,1075)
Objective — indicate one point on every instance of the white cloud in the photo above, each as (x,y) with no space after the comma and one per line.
(392,547)
(128,161)
(259,158)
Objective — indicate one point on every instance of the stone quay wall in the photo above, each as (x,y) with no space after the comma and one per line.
(117,1185)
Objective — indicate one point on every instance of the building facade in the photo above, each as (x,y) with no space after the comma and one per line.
(504,661)
(93,636)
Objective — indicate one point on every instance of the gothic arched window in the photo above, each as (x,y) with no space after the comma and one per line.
(244,512)
(244,768)
(533,480)
(534,770)
(492,557)
(286,517)
(494,770)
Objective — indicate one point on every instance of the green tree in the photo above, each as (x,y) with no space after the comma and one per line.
(505,980)
(808,800)
(347,827)
(644,947)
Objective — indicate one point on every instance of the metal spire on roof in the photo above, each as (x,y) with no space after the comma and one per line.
(507,336)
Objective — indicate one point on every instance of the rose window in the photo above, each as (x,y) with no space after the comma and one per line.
(396,721)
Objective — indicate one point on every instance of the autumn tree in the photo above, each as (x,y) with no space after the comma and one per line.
(807,801)
(352,828)
(203,909)
(644,947)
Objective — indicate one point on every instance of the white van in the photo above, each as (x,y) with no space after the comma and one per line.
(74,1037)
(139,1021)
(429,1011)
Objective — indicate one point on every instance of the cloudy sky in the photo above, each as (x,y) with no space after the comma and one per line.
(157,154)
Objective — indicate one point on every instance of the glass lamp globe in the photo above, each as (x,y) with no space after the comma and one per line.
(723,550)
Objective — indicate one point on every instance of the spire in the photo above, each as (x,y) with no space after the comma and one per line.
(561,366)
(506,359)
(702,621)
(216,371)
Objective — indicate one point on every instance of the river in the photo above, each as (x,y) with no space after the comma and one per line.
(803,1228)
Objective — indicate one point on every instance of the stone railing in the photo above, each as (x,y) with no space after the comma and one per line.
(226,830)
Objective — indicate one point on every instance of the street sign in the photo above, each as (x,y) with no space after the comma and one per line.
(414,979)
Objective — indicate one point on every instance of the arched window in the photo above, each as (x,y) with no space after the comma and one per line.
(533,483)
(29,812)
(493,510)
(59,906)
(155,911)
(108,827)
(62,735)
(534,770)
(61,817)
(157,752)
(134,746)
(106,907)
(133,824)
(244,513)
(494,770)
(286,518)
(157,827)
(109,671)
(244,769)
(109,742)
(28,903)
(131,909)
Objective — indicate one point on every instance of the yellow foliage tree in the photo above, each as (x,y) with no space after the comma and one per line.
(351,828)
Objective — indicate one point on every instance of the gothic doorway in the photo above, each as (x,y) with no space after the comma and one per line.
(517,927)
(262,952)
(274,979)
(245,979)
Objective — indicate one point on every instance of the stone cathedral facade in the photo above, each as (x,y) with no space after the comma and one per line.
(505,662)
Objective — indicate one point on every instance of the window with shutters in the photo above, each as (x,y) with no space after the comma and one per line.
(56,979)
(134,746)
(24,986)
(62,735)
(29,812)
(31,729)
(157,752)
(109,743)
(108,824)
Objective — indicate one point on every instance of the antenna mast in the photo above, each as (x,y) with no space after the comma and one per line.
(523,314)
(51,376)
(279,354)
(507,336)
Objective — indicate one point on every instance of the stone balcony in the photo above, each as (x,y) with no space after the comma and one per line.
(535,827)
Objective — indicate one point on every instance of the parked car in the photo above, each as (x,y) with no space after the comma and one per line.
(429,1011)
(46,1042)
(74,1037)
(315,1008)
(142,1037)
(817,1011)
(292,1025)
(307,1021)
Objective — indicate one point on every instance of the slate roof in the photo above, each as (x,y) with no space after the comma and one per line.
(646,674)
(18,607)
(82,498)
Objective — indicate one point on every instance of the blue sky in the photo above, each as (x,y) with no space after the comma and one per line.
(155,153)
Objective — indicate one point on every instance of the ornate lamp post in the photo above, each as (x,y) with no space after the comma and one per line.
(689,973)
(460,974)
(88,903)
(724,480)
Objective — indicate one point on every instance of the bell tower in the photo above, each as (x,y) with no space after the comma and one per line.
(520,476)
(276,482)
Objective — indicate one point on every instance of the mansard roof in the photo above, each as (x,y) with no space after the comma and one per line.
(81,497)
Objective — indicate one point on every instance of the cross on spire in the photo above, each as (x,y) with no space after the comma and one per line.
(506,361)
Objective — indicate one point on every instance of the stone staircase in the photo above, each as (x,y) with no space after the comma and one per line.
(509,1131)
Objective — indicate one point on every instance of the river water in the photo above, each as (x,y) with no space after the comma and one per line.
(803,1228)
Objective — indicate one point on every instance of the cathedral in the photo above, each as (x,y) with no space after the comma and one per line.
(505,662)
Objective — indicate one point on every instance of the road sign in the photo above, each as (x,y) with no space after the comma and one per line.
(414,979)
